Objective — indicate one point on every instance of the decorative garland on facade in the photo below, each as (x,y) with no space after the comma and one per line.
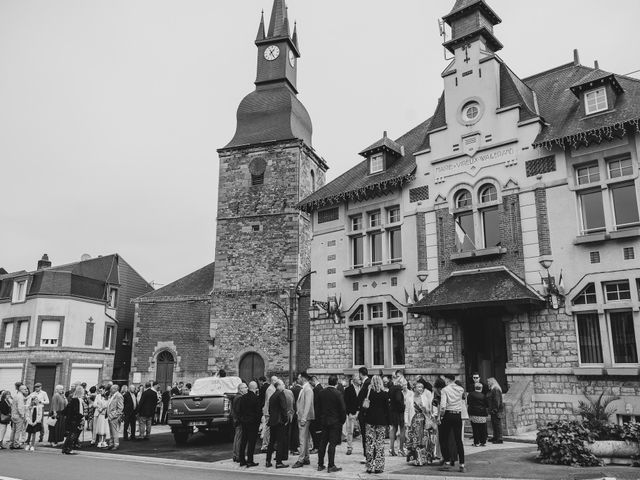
(606,132)
(358,194)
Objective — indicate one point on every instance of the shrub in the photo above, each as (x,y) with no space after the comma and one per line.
(563,443)
(596,412)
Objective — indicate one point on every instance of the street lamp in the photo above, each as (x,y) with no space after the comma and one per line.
(292,294)
(553,293)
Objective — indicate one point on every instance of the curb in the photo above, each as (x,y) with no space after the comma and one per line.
(212,466)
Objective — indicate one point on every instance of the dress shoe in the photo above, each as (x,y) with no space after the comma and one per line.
(268,465)
(298,464)
(334,469)
(252,464)
(462,469)
(321,468)
(306,462)
(243,464)
(378,471)
(282,465)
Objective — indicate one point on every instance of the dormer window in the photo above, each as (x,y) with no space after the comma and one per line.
(19,291)
(376,163)
(595,101)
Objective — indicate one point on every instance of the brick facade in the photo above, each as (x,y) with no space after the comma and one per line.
(178,325)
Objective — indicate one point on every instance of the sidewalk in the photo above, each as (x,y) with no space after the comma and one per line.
(512,460)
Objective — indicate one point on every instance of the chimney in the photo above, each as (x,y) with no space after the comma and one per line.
(44,262)
(596,65)
(576,57)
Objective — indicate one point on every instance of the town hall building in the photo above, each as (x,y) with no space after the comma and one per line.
(500,235)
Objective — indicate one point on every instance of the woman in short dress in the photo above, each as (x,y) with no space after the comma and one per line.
(100,423)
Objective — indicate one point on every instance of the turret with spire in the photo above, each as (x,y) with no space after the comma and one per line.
(273,112)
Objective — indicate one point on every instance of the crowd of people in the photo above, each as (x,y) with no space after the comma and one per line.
(424,422)
(101,412)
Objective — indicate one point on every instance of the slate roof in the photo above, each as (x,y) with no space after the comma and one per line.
(382,144)
(358,184)
(88,278)
(462,5)
(546,95)
(560,108)
(596,77)
(483,288)
(197,283)
(271,114)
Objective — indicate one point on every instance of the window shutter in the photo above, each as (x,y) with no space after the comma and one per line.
(88,337)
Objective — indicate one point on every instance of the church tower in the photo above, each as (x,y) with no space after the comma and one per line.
(262,240)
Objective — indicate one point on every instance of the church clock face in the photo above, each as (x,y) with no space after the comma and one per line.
(272,52)
(292,59)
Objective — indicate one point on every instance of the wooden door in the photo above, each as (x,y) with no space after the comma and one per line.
(251,367)
(46,375)
(164,370)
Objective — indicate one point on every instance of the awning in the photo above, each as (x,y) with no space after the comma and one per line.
(479,288)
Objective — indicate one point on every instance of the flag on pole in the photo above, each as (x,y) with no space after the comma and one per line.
(561,284)
(460,233)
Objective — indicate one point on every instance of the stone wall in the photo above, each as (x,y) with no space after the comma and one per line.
(243,322)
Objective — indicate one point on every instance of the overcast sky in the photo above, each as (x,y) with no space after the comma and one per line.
(111,111)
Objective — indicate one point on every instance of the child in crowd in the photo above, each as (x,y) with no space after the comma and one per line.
(34,421)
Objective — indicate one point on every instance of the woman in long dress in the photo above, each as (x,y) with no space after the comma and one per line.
(58,404)
(418,436)
(100,423)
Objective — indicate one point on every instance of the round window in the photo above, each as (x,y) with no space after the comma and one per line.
(471,111)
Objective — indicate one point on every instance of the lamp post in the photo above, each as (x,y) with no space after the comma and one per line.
(293,292)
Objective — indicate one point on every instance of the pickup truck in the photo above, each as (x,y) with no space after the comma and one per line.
(206,408)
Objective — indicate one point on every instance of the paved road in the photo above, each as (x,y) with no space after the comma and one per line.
(201,447)
(50,464)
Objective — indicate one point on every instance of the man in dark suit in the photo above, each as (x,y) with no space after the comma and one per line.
(363,373)
(249,415)
(146,410)
(130,409)
(332,415)
(277,421)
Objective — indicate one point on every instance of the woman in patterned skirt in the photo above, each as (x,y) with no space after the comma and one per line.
(418,435)
(376,420)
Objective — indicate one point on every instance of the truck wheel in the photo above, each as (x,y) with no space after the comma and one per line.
(181,437)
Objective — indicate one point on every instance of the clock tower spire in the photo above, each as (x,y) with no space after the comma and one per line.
(277,51)
(273,112)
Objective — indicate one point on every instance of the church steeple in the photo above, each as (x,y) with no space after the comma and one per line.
(470,20)
(273,112)
(277,51)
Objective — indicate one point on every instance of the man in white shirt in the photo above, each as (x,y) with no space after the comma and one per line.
(43,398)
(451,419)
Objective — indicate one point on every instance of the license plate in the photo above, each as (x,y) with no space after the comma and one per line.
(197,424)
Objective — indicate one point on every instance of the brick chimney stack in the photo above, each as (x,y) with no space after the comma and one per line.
(44,262)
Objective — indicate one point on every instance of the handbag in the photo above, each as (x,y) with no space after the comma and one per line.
(366,402)
(5,419)
(52,421)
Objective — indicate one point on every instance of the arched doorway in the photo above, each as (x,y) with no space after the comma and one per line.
(164,369)
(251,367)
